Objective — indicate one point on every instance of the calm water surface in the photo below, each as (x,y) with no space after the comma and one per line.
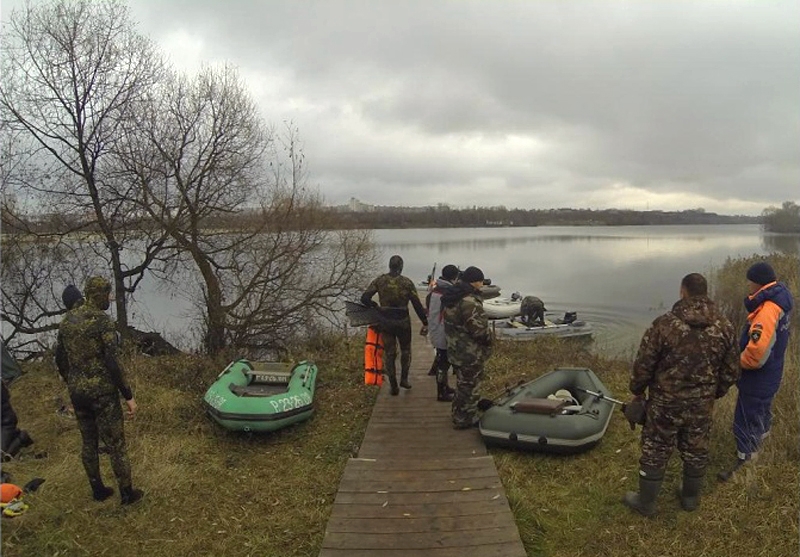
(617,278)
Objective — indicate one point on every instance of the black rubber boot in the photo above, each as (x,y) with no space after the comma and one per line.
(404,380)
(444,393)
(644,502)
(128,495)
(394,389)
(689,491)
(434,367)
(99,491)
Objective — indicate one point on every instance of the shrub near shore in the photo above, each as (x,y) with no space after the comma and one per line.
(214,493)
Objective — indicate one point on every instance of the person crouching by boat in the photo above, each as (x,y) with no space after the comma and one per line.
(469,343)
(86,355)
(394,292)
(687,359)
(532,311)
(436,331)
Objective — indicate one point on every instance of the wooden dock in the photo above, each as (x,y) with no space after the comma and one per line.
(418,487)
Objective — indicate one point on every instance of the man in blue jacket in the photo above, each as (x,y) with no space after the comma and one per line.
(762,344)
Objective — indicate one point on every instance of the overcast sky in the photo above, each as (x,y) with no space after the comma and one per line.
(530,104)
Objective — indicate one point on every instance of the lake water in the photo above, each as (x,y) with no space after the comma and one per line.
(617,278)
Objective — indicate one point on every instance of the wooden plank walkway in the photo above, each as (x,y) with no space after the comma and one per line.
(418,487)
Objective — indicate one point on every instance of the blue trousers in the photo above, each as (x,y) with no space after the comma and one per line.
(751,421)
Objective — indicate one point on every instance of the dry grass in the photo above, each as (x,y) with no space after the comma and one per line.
(214,493)
(208,492)
(570,506)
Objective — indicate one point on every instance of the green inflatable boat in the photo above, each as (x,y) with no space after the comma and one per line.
(262,396)
(565,411)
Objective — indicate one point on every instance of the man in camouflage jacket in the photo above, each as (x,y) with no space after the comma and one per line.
(469,343)
(86,356)
(687,359)
(394,292)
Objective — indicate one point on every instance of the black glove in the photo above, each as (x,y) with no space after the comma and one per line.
(424,331)
(635,411)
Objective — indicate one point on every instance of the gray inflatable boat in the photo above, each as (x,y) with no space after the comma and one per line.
(565,411)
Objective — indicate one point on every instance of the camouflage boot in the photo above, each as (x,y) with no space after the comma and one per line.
(404,379)
(99,491)
(444,393)
(128,495)
(391,373)
(644,502)
(689,490)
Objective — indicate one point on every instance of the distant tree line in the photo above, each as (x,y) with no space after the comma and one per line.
(784,219)
(442,217)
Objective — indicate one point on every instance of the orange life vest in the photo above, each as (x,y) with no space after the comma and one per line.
(9,492)
(373,358)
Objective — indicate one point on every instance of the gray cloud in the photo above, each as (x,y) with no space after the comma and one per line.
(669,105)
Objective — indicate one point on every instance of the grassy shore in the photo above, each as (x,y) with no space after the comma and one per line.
(215,493)
(208,492)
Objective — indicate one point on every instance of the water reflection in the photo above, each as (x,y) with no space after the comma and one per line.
(788,244)
(617,278)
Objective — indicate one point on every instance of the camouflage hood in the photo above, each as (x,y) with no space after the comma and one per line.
(96,291)
(697,311)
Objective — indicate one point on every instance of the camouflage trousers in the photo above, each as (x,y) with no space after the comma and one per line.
(100,419)
(465,402)
(392,336)
(686,424)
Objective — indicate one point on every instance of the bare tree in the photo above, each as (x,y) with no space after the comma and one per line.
(74,72)
(295,272)
(254,238)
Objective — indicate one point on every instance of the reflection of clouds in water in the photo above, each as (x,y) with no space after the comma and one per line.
(641,243)
(617,278)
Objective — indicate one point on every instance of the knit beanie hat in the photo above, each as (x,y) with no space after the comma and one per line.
(761,273)
(71,296)
(450,272)
(472,274)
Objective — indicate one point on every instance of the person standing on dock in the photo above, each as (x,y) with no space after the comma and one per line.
(436,331)
(687,359)
(469,343)
(394,292)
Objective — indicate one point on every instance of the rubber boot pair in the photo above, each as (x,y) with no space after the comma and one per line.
(689,490)
(444,393)
(644,502)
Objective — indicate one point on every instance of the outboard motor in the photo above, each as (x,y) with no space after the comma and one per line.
(570,317)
